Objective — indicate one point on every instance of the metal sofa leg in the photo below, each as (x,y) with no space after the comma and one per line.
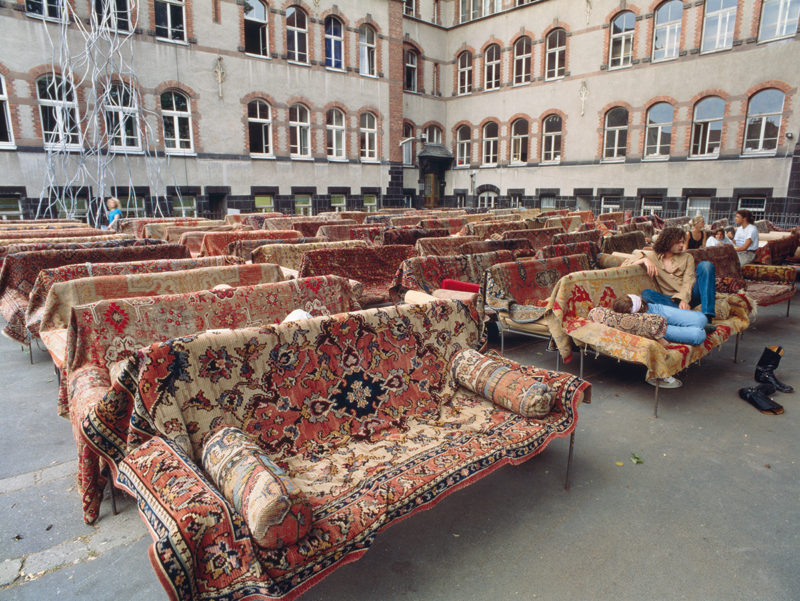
(30,346)
(501,329)
(583,352)
(788,304)
(655,405)
(112,490)
(736,348)
(569,459)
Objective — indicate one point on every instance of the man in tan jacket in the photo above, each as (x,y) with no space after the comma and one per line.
(678,280)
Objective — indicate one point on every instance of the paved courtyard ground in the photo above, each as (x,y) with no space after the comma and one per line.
(712,514)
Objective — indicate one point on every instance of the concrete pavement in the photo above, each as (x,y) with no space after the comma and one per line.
(711,514)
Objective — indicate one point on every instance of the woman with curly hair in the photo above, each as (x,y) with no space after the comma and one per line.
(678,281)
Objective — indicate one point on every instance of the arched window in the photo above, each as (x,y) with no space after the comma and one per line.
(6,132)
(778,19)
(621,46)
(556,54)
(616,134)
(433,135)
(522,60)
(299,131)
(764,112)
(667,34)
(519,141)
(58,110)
(366,50)
(368,137)
(259,125)
(718,25)
(296,35)
(465,73)
(490,136)
(463,146)
(169,19)
(491,61)
(551,139)
(408,147)
(659,131)
(333,43)
(707,127)
(334,131)
(177,120)
(122,118)
(111,14)
(410,79)
(256,15)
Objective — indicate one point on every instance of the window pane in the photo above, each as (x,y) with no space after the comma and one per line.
(766,101)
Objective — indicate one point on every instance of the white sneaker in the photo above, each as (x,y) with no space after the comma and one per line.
(668,382)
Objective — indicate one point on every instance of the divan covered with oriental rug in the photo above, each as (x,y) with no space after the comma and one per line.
(368,441)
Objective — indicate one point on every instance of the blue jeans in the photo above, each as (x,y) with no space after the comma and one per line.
(683,326)
(703,291)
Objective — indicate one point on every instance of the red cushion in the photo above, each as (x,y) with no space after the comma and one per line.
(448,284)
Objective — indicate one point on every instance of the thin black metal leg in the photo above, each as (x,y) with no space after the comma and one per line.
(569,459)
(736,349)
(655,406)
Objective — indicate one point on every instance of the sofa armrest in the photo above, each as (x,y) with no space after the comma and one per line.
(781,274)
(197,537)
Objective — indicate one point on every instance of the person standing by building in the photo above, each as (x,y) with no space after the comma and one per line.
(745,240)
(114,212)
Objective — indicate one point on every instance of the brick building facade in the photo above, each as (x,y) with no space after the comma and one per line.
(667,106)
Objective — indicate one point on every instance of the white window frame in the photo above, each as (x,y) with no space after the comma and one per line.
(549,152)
(464,73)
(335,134)
(703,209)
(786,19)
(408,147)
(610,204)
(262,26)
(186,209)
(332,41)
(613,133)
(763,118)
(296,36)
(519,143)
(547,202)
(171,27)
(175,116)
(648,207)
(748,202)
(368,137)
(410,67)
(5,115)
(110,20)
(621,41)
(522,61)
(409,8)
(660,129)
(265,124)
(556,54)
(60,137)
(123,114)
(300,129)
(668,31)
(704,127)
(487,199)
(491,68)
(719,24)
(264,207)
(370,202)
(339,202)
(7,214)
(304,202)
(366,51)
(433,135)
(46,8)
(490,145)
(463,147)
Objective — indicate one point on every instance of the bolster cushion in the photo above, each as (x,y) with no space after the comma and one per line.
(647,325)
(460,286)
(276,511)
(503,385)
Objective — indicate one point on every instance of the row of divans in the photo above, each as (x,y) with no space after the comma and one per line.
(167,294)
(94,331)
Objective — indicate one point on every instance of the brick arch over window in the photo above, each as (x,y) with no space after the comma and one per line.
(700,23)
(542,60)
(636,32)
(473,64)
(479,76)
(602,125)
(487,188)
(245,101)
(512,54)
(785,114)
(472,138)
(651,25)
(13,101)
(335,13)
(271,30)
(36,73)
(641,138)
(540,123)
(176,86)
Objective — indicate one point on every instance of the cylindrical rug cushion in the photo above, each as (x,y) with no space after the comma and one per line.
(647,325)
(275,509)
(449,284)
(503,385)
